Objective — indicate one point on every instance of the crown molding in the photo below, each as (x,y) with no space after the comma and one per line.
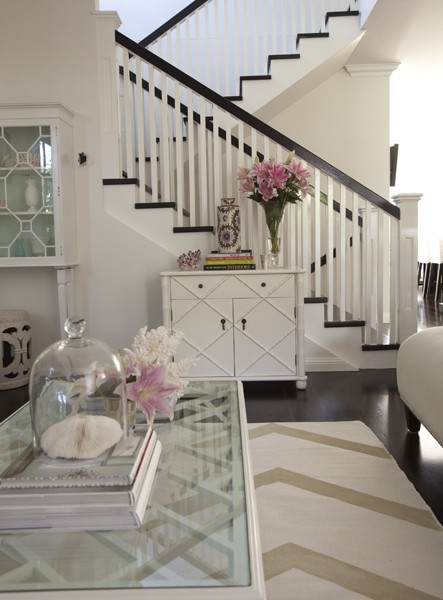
(371,70)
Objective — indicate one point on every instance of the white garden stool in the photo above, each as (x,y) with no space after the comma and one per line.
(15,348)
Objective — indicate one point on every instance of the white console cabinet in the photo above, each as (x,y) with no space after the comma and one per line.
(239,324)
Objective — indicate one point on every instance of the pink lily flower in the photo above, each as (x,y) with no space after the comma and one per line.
(298,170)
(267,190)
(150,391)
(278,174)
(242,173)
(247,186)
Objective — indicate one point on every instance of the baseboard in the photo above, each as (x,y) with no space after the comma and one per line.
(329,364)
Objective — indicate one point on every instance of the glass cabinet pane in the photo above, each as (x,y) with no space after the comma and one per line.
(26,192)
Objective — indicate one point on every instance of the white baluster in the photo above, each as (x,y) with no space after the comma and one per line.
(367,267)
(317,233)
(164,142)
(152,136)
(191,161)
(140,129)
(394,276)
(341,254)
(227,44)
(217,42)
(179,157)
(202,165)
(356,260)
(380,270)
(330,250)
(129,129)
(209,55)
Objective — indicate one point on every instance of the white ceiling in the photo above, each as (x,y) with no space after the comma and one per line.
(404,31)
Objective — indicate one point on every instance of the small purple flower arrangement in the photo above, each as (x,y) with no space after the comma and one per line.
(189,260)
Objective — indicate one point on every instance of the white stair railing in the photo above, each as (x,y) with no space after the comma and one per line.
(219,41)
(188,146)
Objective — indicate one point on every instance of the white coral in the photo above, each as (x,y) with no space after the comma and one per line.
(81,436)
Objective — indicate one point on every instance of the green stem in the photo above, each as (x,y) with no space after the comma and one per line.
(274,211)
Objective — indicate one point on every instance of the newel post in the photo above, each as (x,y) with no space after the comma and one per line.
(408,229)
(106,24)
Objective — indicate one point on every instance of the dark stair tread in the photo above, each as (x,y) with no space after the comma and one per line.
(369,347)
(202,228)
(350,323)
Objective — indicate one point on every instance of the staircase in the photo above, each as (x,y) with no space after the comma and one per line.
(181,143)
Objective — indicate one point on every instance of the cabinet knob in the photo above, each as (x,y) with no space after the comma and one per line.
(243,323)
(263,284)
(223,322)
(200,285)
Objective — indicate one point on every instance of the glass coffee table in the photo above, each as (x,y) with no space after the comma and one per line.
(199,536)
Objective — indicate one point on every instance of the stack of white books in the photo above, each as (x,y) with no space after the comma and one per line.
(110,492)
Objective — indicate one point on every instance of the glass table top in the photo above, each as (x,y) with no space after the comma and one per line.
(196,529)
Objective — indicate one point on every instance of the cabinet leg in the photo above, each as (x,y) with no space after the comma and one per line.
(300,384)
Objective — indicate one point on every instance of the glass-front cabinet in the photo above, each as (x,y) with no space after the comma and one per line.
(37,200)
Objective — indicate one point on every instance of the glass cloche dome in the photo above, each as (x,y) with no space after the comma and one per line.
(77,394)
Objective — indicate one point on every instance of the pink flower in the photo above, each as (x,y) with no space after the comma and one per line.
(277,174)
(267,190)
(242,173)
(150,391)
(300,173)
(247,186)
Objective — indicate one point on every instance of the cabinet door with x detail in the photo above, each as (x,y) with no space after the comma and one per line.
(264,336)
(207,328)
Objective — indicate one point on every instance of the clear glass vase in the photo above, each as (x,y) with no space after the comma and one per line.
(273,258)
(274,213)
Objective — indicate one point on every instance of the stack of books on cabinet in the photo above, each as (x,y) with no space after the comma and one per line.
(243,260)
(110,492)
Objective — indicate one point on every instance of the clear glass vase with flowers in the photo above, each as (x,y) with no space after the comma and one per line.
(272,185)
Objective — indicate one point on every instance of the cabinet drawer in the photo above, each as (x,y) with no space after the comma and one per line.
(194,286)
(277,285)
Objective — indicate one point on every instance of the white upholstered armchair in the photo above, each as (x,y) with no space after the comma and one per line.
(420,380)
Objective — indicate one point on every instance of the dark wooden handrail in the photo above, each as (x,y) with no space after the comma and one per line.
(255,123)
(172,22)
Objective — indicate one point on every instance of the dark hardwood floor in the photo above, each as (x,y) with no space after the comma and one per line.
(370,396)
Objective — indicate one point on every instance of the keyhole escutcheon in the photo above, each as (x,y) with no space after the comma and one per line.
(243,321)
(223,323)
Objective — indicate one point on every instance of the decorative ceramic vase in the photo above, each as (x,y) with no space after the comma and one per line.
(274,212)
(31,195)
(228,227)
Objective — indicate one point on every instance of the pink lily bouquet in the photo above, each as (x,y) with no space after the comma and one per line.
(273,185)
(269,180)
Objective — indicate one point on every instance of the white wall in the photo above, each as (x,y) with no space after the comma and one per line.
(417,127)
(342,119)
(51,51)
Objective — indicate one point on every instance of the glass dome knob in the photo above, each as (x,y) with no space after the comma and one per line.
(75,327)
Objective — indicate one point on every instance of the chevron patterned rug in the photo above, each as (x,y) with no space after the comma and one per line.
(338,518)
